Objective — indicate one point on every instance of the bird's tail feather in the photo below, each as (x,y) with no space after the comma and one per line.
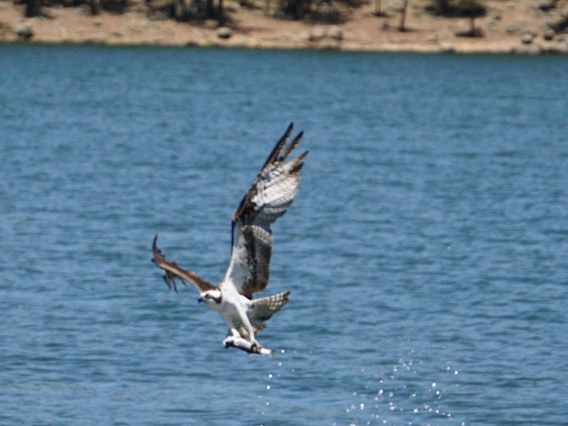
(264,308)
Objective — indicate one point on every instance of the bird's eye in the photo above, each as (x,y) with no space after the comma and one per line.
(208,296)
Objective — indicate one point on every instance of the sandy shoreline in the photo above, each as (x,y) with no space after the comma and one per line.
(509,27)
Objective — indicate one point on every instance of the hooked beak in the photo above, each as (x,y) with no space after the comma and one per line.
(199,300)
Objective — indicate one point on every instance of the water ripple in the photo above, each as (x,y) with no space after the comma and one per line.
(426,251)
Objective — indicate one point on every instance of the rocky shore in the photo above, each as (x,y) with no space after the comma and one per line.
(510,26)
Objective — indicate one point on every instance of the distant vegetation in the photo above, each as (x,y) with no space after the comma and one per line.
(188,10)
(199,10)
(309,10)
(460,9)
(471,9)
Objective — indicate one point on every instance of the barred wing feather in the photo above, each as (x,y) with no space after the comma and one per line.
(267,199)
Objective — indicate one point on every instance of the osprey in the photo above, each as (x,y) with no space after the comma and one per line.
(268,198)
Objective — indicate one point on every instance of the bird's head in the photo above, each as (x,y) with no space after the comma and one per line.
(211,297)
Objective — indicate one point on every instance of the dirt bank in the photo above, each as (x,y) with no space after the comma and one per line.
(516,26)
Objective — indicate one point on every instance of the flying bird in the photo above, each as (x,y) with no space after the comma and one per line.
(267,199)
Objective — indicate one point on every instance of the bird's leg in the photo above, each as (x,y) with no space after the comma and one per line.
(255,346)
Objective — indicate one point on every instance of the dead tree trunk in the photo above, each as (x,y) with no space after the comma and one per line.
(401,27)
(95,6)
(220,13)
(209,10)
(377,8)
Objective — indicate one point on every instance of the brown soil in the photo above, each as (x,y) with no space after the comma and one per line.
(515,26)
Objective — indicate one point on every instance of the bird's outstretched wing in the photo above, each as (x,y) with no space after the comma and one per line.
(173,271)
(270,194)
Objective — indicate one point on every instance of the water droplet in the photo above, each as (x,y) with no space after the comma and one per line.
(362,406)
(268,387)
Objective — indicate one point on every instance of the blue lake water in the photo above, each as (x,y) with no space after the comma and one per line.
(427,249)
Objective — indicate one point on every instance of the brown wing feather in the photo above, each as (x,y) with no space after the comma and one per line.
(267,199)
(173,271)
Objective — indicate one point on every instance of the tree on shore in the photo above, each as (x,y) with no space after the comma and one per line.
(95,6)
(296,9)
(33,8)
(220,13)
(460,8)
(440,7)
(403,9)
(378,8)
(215,13)
(472,9)
(209,10)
